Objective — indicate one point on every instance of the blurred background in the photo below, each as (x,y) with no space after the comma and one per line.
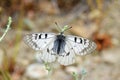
(97,20)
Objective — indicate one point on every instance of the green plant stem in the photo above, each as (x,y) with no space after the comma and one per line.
(49,69)
(83,72)
(8,27)
(75,75)
(5,75)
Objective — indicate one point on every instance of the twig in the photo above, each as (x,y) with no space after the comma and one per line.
(8,27)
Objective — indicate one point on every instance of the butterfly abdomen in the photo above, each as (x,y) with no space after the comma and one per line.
(59,44)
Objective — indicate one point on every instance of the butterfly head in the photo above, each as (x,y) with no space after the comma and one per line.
(65,28)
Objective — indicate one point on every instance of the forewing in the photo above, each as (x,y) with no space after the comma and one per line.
(38,41)
(81,46)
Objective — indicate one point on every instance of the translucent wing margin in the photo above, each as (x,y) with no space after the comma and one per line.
(38,41)
(81,46)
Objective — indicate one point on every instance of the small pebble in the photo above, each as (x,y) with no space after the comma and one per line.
(36,71)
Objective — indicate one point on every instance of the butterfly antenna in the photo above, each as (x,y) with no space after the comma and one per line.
(58,27)
(65,28)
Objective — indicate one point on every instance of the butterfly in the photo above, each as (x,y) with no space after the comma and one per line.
(59,47)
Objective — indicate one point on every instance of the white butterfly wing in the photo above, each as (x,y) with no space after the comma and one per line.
(81,46)
(45,43)
(68,57)
(38,41)
(47,54)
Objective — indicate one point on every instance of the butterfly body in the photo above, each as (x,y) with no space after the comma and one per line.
(59,44)
(59,47)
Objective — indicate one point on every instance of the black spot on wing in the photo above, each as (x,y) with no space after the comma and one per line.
(35,44)
(68,54)
(81,40)
(48,50)
(75,39)
(36,36)
(46,35)
(40,36)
